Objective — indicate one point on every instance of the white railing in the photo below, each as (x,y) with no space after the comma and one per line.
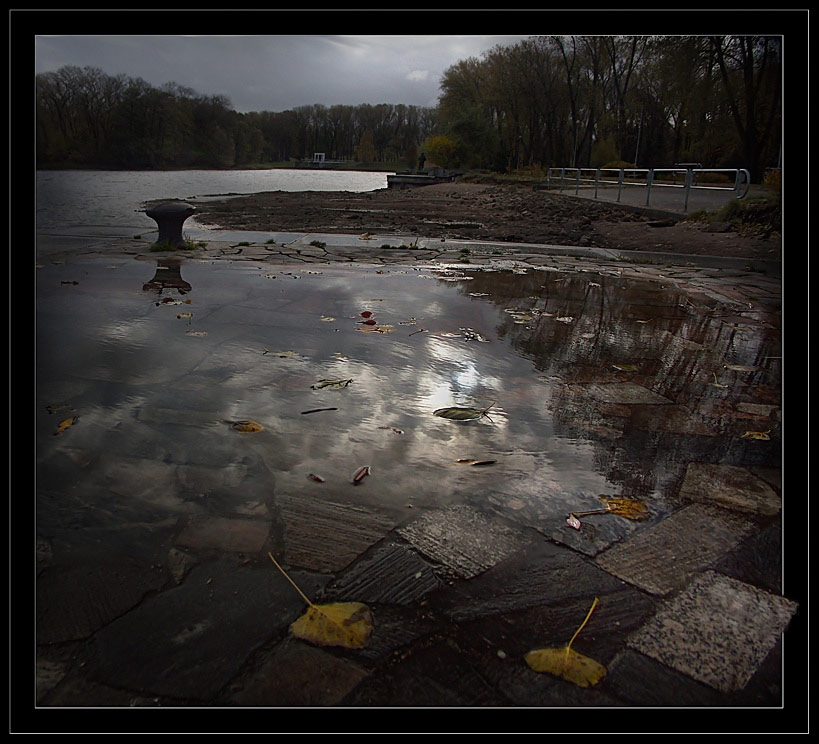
(646,178)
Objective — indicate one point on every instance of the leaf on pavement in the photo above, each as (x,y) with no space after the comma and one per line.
(461,413)
(331,384)
(566,663)
(346,624)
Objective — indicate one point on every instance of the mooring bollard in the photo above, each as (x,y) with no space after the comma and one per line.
(170,216)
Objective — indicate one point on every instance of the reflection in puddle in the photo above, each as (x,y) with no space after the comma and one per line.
(598,385)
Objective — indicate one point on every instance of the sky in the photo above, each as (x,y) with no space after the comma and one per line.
(276,72)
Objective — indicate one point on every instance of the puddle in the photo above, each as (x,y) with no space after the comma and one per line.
(594,384)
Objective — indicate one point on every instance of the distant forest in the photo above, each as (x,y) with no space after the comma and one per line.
(584,101)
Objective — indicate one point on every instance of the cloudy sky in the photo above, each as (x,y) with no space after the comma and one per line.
(277,72)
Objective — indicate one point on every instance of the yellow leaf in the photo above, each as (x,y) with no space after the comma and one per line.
(762,435)
(628,508)
(347,624)
(65,423)
(568,664)
(247,426)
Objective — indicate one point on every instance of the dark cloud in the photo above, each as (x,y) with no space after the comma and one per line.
(276,72)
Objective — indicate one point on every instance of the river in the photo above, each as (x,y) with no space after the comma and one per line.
(112,203)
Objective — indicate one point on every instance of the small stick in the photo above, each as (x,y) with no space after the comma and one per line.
(303,595)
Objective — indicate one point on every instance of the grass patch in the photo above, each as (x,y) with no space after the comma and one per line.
(760,214)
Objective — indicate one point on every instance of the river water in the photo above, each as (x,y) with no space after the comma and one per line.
(111,203)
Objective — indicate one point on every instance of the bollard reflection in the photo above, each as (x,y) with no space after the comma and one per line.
(168,276)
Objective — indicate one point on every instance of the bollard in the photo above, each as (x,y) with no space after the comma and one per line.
(170,216)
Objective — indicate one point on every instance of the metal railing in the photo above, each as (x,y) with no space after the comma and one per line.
(647,178)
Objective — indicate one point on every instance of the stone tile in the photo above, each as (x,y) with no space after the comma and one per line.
(717,631)
(434,675)
(545,574)
(190,640)
(663,557)
(226,534)
(392,575)
(729,486)
(627,393)
(297,674)
(75,601)
(463,539)
(326,536)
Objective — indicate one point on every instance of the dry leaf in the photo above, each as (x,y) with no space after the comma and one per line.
(628,508)
(740,367)
(474,463)
(566,663)
(247,426)
(332,384)
(65,423)
(347,624)
(360,474)
(573,521)
(461,413)
(764,436)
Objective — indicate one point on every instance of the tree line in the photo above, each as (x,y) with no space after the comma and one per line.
(584,101)
(587,101)
(87,118)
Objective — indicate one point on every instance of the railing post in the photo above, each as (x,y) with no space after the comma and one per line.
(649,181)
(596,181)
(577,182)
(562,177)
(620,183)
(688,177)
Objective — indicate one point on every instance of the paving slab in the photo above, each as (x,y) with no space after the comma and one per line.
(393,574)
(717,631)
(189,641)
(227,534)
(663,557)
(296,674)
(545,574)
(327,536)
(75,601)
(731,487)
(463,539)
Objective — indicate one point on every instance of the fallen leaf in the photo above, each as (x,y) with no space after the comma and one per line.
(392,429)
(762,435)
(332,384)
(474,463)
(625,367)
(65,423)
(319,410)
(196,333)
(368,321)
(565,319)
(181,316)
(316,478)
(376,329)
(740,368)
(247,426)
(346,624)
(628,508)
(360,474)
(366,314)
(573,521)
(567,663)
(461,413)
(327,318)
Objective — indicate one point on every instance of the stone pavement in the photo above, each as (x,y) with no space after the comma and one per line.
(691,611)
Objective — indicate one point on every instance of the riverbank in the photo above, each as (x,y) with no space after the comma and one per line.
(487,212)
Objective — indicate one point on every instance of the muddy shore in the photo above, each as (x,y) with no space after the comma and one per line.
(473,211)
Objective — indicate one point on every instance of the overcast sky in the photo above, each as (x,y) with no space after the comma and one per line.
(276,73)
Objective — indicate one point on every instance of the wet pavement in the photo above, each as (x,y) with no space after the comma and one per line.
(656,380)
